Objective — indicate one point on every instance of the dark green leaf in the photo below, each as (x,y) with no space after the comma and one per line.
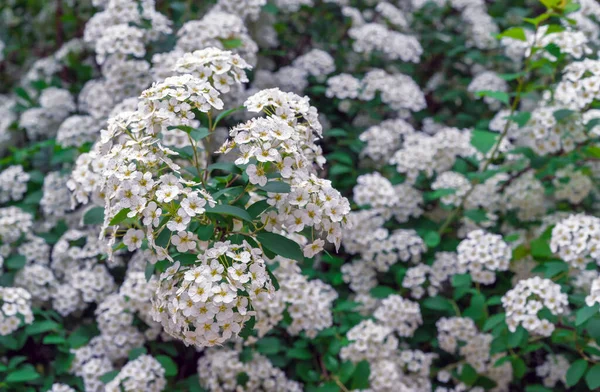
(280,245)
(234,211)
(168,364)
(576,371)
(94,216)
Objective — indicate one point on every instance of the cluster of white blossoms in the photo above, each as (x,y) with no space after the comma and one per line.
(488,81)
(57,387)
(571,42)
(401,315)
(15,309)
(546,135)
(376,191)
(441,271)
(454,181)
(580,84)
(90,363)
(360,276)
(218,370)
(77,130)
(523,302)
(392,366)
(482,254)
(13,183)
(123,27)
(426,154)
(572,185)
(576,240)
(308,302)
(553,370)
(14,222)
(398,91)
(343,86)
(594,291)
(209,302)
(375,37)
(142,374)
(217,29)
(55,104)
(526,196)
(384,139)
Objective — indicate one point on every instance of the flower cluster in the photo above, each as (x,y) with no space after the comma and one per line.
(523,303)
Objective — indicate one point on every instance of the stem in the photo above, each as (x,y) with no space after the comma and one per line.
(496,147)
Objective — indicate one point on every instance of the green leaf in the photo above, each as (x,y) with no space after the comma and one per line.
(521,118)
(438,194)
(280,245)
(229,167)
(468,374)
(276,187)
(234,211)
(592,378)
(382,291)
(23,374)
(483,141)
(248,328)
(268,346)
(299,353)
(256,209)
(438,303)
(513,32)
(476,216)
(553,268)
(493,320)
(226,113)
(108,377)
(42,326)
(576,371)
(119,217)
(15,262)
(499,95)
(461,280)
(515,338)
(562,114)
(94,216)
(585,313)
(54,339)
(273,279)
(149,271)
(432,239)
(360,378)
(168,364)
(205,232)
(136,352)
(231,43)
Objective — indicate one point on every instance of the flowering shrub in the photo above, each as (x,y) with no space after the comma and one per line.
(299,195)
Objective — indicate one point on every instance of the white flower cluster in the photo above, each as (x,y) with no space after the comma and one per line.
(376,191)
(452,181)
(460,334)
(426,154)
(218,371)
(219,30)
(399,314)
(553,370)
(571,185)
(77,130)
(594,295)
(13,183)
(488,81)
(482,254)
(15,309)
(441,271)
(245,9)
(523,302)
(576,240)
(343,86)
(526,196)
(56,387)
(372,37)
(142,374)
(308,302)
(398,91)
(384,139)
(123,27)
(203,305)
(90,363)
(284,143)
(580,84)
(42,122)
